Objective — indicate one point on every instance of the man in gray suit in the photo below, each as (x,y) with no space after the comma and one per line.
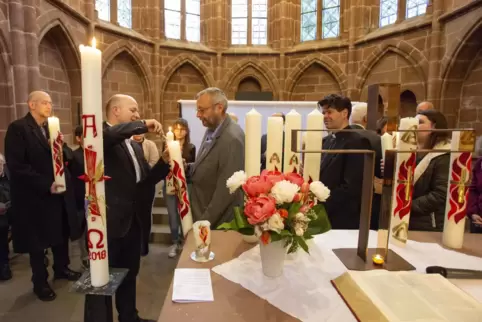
(221,154)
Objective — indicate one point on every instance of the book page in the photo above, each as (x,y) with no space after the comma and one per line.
(192,285)
(410,296)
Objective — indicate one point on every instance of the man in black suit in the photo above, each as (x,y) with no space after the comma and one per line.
(358,120)
(131,181)
(342,173)
(44,218)
(264,143)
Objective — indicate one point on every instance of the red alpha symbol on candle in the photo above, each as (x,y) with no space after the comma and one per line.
(92,125)
(57,154)
(461,165)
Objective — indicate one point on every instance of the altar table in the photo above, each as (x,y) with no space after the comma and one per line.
(234,303)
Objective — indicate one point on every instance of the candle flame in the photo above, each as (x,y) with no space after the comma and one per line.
(93,42)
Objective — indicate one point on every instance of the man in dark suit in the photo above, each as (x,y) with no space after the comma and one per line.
(358,120)
(131,181)
(264,143)
(44,218)
(342,173)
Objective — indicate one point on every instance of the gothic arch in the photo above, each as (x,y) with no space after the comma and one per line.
(180,60)
(326,62)
(402,48)
(260,67)
(120,46)
(51,19)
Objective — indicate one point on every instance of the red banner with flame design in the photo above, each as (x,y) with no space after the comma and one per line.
(461,163)
(183,205)
(405,171)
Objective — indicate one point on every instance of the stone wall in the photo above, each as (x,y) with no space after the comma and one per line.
(435,57)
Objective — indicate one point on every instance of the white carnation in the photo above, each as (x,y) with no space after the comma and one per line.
(275,223)
(284,191)
(237,180)
(321,192)
(299,231)
(301,217)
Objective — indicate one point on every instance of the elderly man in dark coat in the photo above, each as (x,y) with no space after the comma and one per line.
(43,217)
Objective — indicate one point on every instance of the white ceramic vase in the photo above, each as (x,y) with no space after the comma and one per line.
(272,258)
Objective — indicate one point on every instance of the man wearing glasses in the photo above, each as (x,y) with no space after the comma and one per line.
(220,155)
(42,217)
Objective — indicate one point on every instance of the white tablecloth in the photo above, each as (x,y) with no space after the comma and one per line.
(305,292)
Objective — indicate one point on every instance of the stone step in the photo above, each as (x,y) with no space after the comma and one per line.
(160,216)
(160,234)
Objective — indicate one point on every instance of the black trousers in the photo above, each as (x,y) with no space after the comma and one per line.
(37,262)
(125,252)
(3,244)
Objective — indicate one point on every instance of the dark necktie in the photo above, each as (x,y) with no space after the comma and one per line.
(329,146)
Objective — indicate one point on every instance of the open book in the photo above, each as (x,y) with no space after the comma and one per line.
(380,295)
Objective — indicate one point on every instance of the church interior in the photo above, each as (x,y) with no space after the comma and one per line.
(162,51)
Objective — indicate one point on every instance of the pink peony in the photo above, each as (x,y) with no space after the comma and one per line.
(259,209)
(272,176)
(294,178)
(256,186)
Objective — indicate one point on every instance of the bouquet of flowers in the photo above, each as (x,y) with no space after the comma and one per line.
(279,207)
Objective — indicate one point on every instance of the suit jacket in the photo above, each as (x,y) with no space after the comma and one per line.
(76,167)
(127,200)
(210,198)
(375,145)
(343,175)
(39,217)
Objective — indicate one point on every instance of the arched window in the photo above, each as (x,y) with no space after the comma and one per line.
(416,8)
(388,12)
(124,13)
(325,11)
(182,19)
(103,9)
(249,22)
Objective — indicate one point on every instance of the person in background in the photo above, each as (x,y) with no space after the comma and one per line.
(424,106)
(382,125)
(77,169)
(431,174)
(264,142)
(474,207)
(233,117)
(5,272)
(151,153)
(182,134)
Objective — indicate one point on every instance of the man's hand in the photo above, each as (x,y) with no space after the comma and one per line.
(55,187)
(476,219)
(165,155)
(378,184)
(154,126)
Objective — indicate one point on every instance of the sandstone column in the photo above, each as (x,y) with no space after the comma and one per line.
(435,53)
(352,59)
(31,41)
(19,56)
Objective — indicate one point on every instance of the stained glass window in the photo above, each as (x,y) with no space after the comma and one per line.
(259,22)
(388,12)
(193,20)
(416,8)
(308,19)
(239,22)
(124,13)
(330,19)
(103,9)
(172,19)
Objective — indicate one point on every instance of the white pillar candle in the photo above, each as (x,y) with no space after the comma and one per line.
(91,70)
(403,181)
(169,135)
(56,144)
(457,193)
(252,144)
(387,143)
(291,161)
(274,145)
(311,166)
(180,183)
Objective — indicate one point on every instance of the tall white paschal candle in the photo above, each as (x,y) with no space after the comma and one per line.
(274,145)
(291,161)
(180,184)
(252,144)
(403,181)
(457,193)
(91,69)
(56,144)
(311,166)
(387,143)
